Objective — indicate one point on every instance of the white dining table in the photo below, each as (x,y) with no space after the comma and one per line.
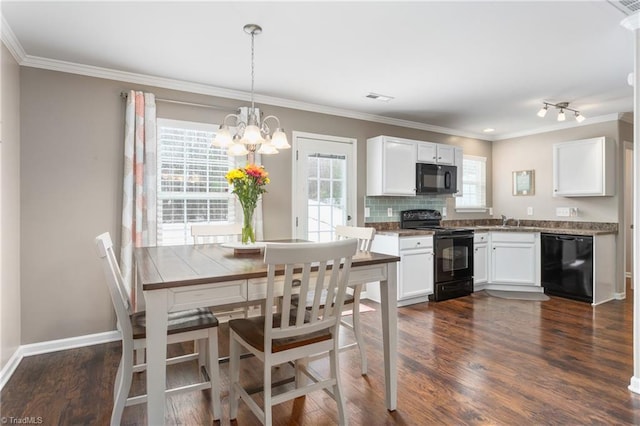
(174,278)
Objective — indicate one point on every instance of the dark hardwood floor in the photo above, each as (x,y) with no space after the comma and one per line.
(473,360)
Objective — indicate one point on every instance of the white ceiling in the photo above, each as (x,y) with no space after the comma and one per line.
(463,66)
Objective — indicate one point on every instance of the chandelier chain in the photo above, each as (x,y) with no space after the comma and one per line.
(252,67)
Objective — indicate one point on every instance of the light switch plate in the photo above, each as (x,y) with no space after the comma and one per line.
(390,212)
(562,211)
(444,212)
(490,211)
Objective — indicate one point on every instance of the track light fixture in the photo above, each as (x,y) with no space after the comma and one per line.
(562,106)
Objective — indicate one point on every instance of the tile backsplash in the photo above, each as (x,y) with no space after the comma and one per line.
(379,206)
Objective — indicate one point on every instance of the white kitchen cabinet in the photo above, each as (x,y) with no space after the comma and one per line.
(480,258)
(391,166)
(584,168)
(429,152)
(515,258)
(458,161)
(415,270)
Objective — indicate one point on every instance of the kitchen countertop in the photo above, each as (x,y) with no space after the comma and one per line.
(552,227)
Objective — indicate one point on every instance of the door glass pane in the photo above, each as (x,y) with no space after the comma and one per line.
(327,196)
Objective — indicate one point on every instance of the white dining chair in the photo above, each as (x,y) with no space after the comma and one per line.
(198,325)
(302,333)
(216,233)
(364,236)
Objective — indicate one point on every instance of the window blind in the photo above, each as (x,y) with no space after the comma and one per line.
(474,183)
(191,180)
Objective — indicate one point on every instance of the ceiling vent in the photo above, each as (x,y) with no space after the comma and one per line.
(628,7)
(378,97)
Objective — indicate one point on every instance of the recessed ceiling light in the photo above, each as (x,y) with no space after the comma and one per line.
(489,130)
(378,97)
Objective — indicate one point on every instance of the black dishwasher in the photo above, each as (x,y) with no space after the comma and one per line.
(567,266)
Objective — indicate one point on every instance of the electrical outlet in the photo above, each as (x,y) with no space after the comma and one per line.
(562,211)
(390,212)
(444,212)
(529,211)
(367,212)
(490,211)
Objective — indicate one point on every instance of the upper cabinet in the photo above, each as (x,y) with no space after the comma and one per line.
(584,168)
(435,153)
(391,166)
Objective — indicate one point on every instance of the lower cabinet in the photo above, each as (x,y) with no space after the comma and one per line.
(507,260)
(480,258)
(515,258)
(415,270)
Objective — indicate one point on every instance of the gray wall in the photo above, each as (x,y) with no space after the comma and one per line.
(9,207)
(72,130)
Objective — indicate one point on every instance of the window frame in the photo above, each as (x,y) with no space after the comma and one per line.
(186,196)
(474,208)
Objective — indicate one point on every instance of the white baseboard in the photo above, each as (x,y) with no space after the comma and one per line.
(634,386)
(10,367)
(620,296)
(54,346)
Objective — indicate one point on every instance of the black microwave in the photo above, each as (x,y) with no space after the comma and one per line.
(436,179)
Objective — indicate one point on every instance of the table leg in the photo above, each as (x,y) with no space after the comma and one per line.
(389,306)
(156,303)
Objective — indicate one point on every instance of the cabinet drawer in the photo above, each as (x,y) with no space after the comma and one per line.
(407,243)
(513,237)
(181,298)
(480,238)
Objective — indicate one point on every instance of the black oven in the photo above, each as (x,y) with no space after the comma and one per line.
(453,249)
(453,269)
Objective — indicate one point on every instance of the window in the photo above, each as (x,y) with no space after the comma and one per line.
(474,184)
(191,180)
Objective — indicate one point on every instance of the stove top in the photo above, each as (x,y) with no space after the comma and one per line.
(427,219)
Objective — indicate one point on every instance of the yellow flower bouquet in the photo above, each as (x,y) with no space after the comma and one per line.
(248,184)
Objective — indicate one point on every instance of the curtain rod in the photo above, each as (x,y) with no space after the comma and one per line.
(125,95)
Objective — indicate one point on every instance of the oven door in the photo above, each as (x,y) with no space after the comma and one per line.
(453,257)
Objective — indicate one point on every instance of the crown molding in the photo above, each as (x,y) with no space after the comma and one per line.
(203,89)
(631,22)
(560,126)
(11,41)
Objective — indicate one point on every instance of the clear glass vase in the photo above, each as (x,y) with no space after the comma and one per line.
(248,231)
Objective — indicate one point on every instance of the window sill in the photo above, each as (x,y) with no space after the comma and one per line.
(472,209)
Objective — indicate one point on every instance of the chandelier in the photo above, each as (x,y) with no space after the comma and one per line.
(252,134)
(562,106)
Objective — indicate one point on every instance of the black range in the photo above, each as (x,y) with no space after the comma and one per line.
(453,248)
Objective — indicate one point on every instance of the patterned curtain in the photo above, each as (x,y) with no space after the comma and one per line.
(139,190)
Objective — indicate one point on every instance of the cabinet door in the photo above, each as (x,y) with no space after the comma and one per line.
(458,157)
(513,263)
(584,168)
(445,154)
(427,152)
(416,273)
(399,167)
(480,263)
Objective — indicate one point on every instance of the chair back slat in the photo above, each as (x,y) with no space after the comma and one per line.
(332,280)
(115,282)
(364,235)
(215,232)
